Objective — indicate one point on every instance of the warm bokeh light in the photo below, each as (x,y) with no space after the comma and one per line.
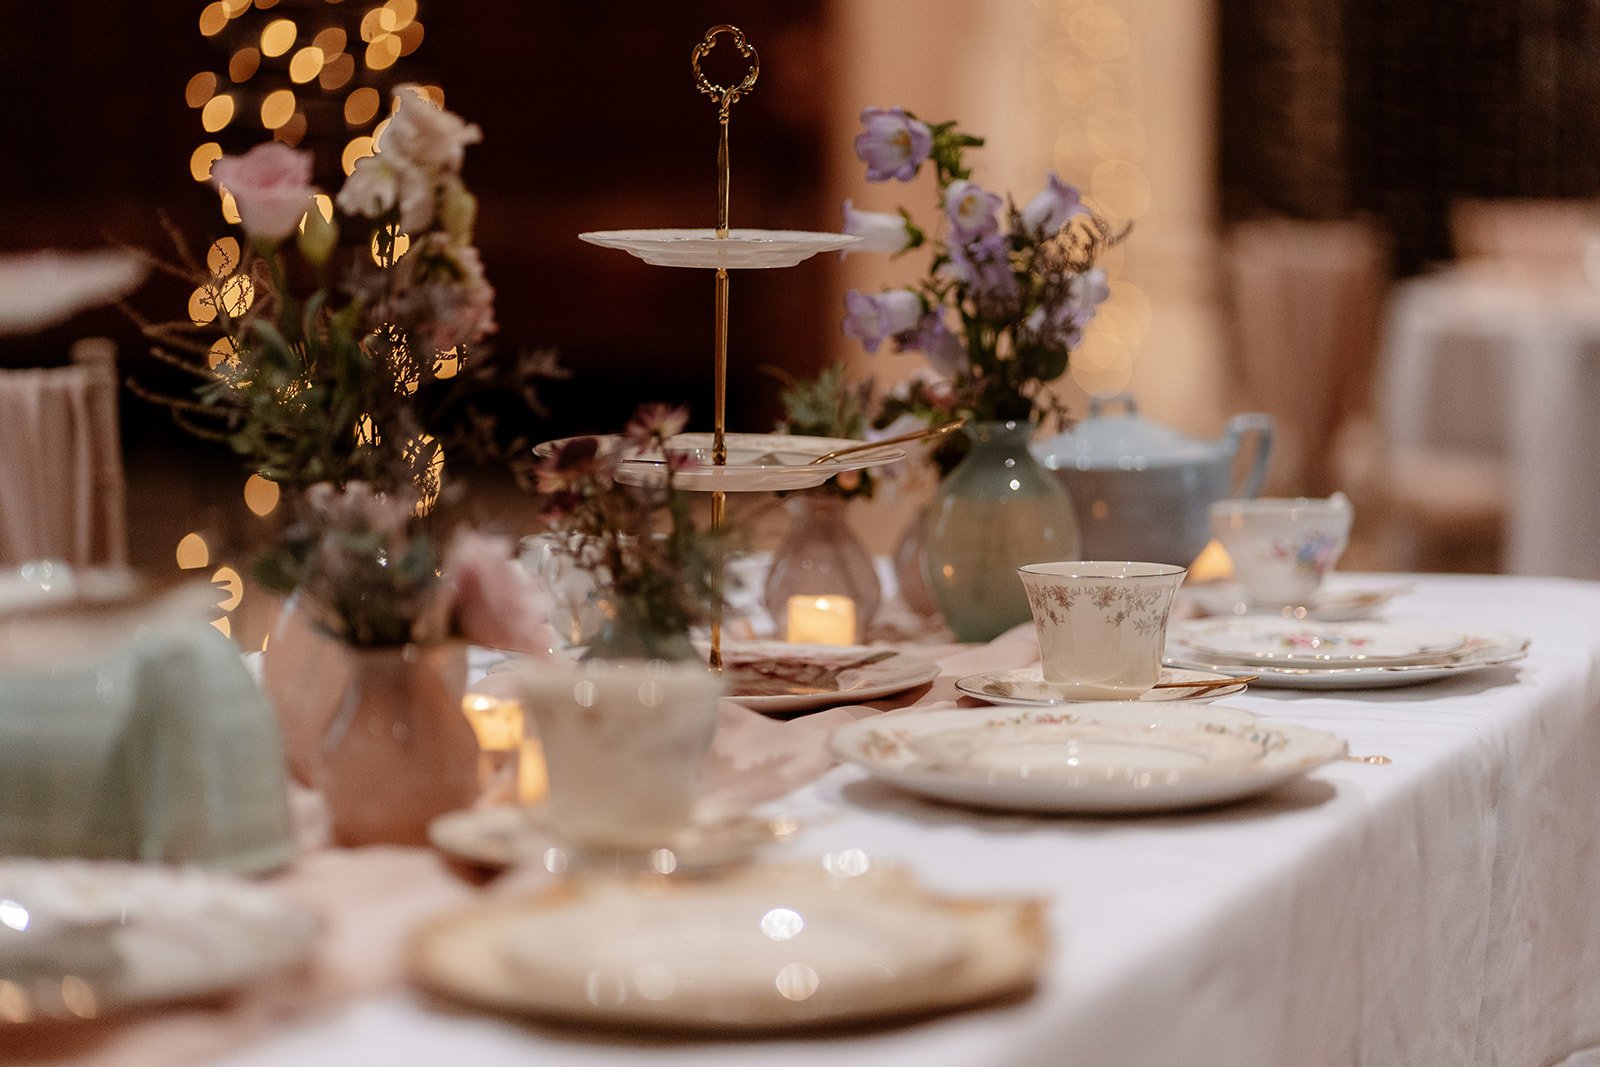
(324,206)
(217,113)
(223,626)
(398,14)
(306,64)
(410,38)
(377,132)
(260,495)
(235,8)
(1100,31)
(366,432)
(230,210)
(337,72)
(278,37)
(202,306)
(201,88)
(291,132)
(383,51)
(277,108)
(361,106)
(330,40)
(229,581)
(201,158)
(402,244)
(434,93)
(372,24)
(223,256)
(356,149)
(1121,188)
(447,364)
(192,552)
(221,352)
(238,293)
(244,64)
(213,18)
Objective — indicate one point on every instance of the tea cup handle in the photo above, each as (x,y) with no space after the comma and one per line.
(1263,427)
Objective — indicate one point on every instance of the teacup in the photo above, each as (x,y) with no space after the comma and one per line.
(1102,625)
(623,746)
(1282,547)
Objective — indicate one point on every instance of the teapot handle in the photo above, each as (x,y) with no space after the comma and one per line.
(1098,404)
(1263,427)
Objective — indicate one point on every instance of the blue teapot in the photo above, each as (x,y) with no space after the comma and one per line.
(1141,489)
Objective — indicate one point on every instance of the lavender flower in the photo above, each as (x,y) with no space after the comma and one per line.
(871,319)
(893,145)
(1052,207)
(943,350)
(879,231)
(983,268)
(972,211)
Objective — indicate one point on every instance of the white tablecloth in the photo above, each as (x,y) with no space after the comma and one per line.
(1506,366)
(1440,910)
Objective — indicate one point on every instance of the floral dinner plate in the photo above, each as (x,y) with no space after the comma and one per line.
(782,679)
(1119,757)
(1482,649)
(756,462)
(1298,642)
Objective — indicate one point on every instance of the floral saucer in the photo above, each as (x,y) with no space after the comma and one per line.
(1337,601)
(1026,686)
(1300,643)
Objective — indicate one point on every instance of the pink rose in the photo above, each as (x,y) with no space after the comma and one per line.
(497,603)
(271,184)
(424,134)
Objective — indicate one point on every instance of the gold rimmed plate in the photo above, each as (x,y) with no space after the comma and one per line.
(756,462)
(1027,687)
(740,249)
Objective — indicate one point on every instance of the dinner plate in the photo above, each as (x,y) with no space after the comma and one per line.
(499,837)
(1336,601)
(1026,686)
(781,679)
(742,248)
(1117,758)
(756,462)
(1300,642)
(80,939)
(1482,649)
(762,949)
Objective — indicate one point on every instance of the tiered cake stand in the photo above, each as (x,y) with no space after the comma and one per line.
(740,462)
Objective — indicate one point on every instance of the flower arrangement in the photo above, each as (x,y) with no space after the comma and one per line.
(370,576)
(345,322)
(1020,294)
(828,406)
(656,570)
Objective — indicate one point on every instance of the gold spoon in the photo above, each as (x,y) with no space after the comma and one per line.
(1243,679)
(915,435)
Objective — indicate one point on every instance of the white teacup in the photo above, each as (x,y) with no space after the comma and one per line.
(1102,625)
(623,746)
(1282,547)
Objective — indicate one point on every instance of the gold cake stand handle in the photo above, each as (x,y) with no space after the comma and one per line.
(725,97)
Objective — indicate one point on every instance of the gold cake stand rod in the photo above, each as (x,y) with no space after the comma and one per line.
(725,98)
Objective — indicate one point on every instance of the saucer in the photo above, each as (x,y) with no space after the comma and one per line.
(501,837)
(756,462)
(782,679)
(1298,643)
(1483,649)
(1026,686)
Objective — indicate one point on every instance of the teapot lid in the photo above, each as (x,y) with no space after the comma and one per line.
(1125,441)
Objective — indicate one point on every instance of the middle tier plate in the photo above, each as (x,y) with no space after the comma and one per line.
(742,249)
(757,462)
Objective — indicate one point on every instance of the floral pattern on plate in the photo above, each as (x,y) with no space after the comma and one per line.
(755,461)
(741,248)
(1296,641)
(1122,757)
(1480,649)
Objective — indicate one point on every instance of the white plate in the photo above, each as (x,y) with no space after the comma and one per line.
(1336,601)
(1026,686)
(501,837)
(821,676)
(1483,648)
(767,948)
(137,935)
(757,462)
(1117,757)
(742,248)
(1300,643)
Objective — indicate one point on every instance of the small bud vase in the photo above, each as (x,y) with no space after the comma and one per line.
(997,511)
(399,751)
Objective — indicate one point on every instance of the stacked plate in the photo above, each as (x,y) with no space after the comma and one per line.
(1307,654)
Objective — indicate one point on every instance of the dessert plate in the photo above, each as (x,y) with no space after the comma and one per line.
(761,949)
(742,248)
(500,837)
(1026,686)
(1115,758)
(1302,642)
(1482,649)
(81,939)
(1337,601)
(756,461)
(781,679)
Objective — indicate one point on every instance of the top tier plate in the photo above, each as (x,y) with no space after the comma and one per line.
(703,248)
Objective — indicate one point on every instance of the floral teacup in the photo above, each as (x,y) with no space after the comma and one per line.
(1282,547)
(1102,625)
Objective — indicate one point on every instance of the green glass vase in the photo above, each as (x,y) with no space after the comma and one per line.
(997,510)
